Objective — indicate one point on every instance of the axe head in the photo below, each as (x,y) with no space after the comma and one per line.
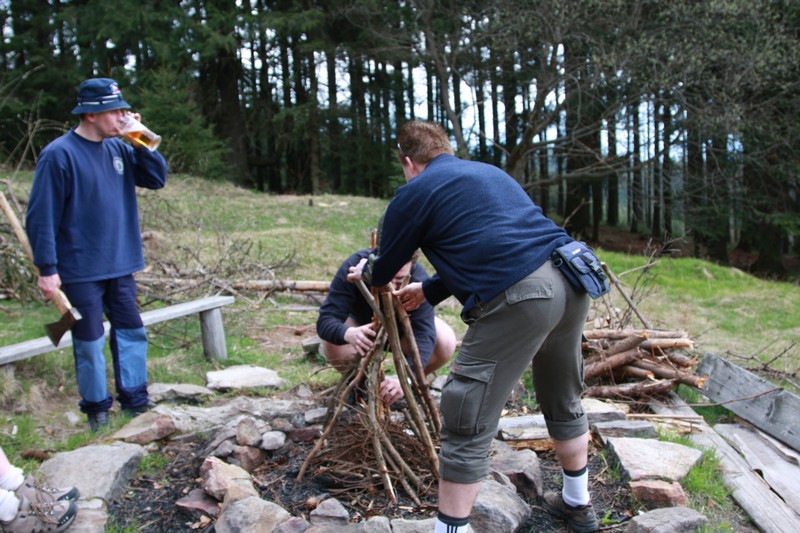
(56,330)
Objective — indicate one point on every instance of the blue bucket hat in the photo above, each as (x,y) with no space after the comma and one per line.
(96,95)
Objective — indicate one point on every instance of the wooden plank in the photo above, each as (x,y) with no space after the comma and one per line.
(763,404)
(26,349)
(783,476)
(765,508)
(183,309)
(30,348)
(213,335)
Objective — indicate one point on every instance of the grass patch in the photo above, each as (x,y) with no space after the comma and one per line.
(705,491)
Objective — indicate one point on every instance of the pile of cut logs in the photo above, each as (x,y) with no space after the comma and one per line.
(636,364)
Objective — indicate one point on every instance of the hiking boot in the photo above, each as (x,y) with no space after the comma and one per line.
(41,517)
(139,409)
(580,519)
(36,492)
(98,421)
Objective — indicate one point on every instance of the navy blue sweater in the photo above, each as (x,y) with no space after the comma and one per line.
(82,220)
(344,300)
(476,225)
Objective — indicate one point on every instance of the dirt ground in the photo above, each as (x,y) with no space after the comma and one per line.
(149,504)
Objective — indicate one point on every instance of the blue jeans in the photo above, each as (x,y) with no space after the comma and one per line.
(116,298)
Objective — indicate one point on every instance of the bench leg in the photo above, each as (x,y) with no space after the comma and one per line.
(213,335)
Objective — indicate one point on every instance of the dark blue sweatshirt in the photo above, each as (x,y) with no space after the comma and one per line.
(345,300)
(83,220)
(476,225)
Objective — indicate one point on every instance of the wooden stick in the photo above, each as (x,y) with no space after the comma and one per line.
(420,384)
(246,284)
(666,372)
(399,358)
(629,371)
(631,390)
(624,294)
(338,404)
(610,363)
(376,441)
(657,416)
(650,344)
(608,333)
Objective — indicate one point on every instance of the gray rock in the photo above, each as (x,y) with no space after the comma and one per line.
(219,477)
(603,410)
(647,458)
(529,427)
(315,416)
(247,432)
(199,502)
(253,515)
(498,508)
(243,376)
(91,518)
(146,428)
(175,392)
(522,467)
(378,524)
(248,457)
(640,429)
(402,525)
(72,418)
(222,451)
(273,440)
(329,512)
(118,462)
(193,419)
(667,520)
(293,525)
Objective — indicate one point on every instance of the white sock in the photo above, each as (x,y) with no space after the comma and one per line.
(441,527)
(575,491)
(9,505)
(12,479)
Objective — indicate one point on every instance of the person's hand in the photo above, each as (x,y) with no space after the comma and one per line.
(49,284)
(391,391)
(410,296)
(361,338)
(355,271)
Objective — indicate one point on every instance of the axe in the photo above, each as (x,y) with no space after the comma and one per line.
(69,315)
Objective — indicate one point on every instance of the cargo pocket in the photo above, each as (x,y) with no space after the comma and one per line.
(530,288)
(464,395)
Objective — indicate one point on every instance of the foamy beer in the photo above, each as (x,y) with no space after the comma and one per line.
(138,134)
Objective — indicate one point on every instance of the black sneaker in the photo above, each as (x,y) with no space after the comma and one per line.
(580,519)
(98,421)
(139,409)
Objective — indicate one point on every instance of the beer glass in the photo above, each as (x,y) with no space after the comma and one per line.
(138,134)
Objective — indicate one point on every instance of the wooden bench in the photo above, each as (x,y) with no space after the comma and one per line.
(210,310)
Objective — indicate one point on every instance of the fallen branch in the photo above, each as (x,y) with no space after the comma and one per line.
(610,363)
(246,285)
(627,391)
(665,372)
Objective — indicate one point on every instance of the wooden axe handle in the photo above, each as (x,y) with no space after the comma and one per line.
(59,299)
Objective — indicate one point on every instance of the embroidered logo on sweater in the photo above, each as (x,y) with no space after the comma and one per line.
(119,166)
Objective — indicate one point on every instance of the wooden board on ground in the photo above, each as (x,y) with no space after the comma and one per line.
(764,507)
(769,408)
(781,474)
